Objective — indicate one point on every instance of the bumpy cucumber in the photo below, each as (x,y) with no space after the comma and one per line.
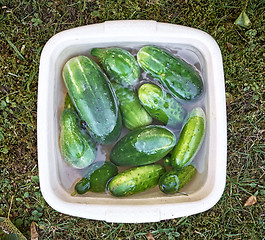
(173,180)
(161,105)
(96,177)
(133,113)
(135,180)
(143,146)
(190,139)
(76,146)
(119,64)
(94,98)
(178,77)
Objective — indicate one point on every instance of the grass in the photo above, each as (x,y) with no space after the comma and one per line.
(25,27)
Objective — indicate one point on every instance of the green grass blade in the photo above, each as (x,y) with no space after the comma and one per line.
(15,48)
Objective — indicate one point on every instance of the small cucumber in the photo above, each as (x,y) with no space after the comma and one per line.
(174,179)
(96,178)
(133,113)
(190,139)
(135,180)
(143,146)
(178,77)
(161,105)
(119,64)
(76,146)
(167,160)
(68,102)
(93,98)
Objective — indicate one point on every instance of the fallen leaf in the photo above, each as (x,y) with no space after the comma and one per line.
(9,230)
(33,232)
(229,46)
(150,236)
(243,20)
(251,201)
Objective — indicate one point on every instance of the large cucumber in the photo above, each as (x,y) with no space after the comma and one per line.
(96,177)
(135,180)
(133,113)
(119,64)
(76,146)
(190,139)
(161,105)
(174,179)
(178,77)
(94,98)
(143,146)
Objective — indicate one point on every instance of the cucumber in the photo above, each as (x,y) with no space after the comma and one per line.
(161,105)
(167,160)
(135,180)
(76,146)
(94,98)
(68,102)
(190,139)
(133,113)
(143,146)
(97,177)
(119,64)
(181,80)
(174,179)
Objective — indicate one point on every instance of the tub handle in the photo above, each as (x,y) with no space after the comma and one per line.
(131,26)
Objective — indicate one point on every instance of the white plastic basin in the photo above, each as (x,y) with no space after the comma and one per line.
(55,176)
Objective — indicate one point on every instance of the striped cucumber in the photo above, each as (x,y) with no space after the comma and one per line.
(161,105)
(143,146)
(76,146)
(135,180)
(174,179)
(190,139)
(119,64)
(133,113)
(178,77)
(94,98)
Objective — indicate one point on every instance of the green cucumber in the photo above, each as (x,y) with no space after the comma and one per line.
(119,64)
(174,179)
(68,102)
(161,105)
(178,77)
(143,146)
(94,98)
(167,160)
(133,113)
(97,177)
(190,139)
(135,180)
(76,146)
